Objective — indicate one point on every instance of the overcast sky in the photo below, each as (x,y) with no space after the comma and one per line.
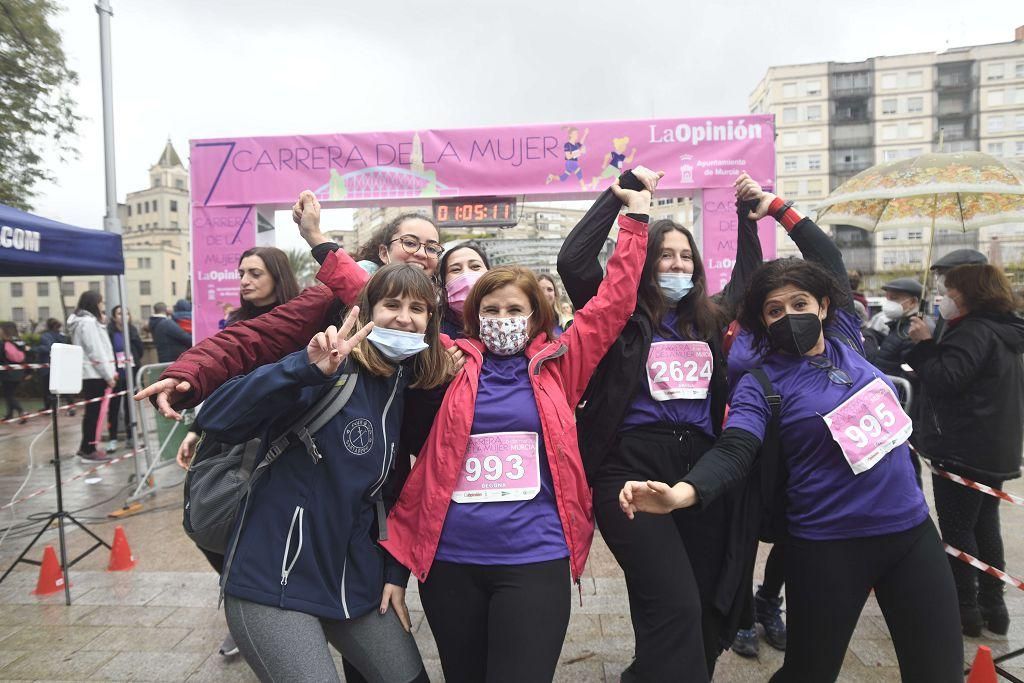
(201,68)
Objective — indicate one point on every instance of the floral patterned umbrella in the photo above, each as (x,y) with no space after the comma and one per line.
(959,191)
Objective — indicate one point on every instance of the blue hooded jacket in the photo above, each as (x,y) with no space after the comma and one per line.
(307,542)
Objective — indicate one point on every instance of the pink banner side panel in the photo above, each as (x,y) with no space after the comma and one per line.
(219,236)
(720,228)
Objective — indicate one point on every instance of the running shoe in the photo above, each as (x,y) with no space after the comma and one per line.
(95,456)
(111,445)
(746,643)
(228,647)
(768,613)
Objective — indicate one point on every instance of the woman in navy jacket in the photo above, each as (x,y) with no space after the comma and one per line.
(306,569)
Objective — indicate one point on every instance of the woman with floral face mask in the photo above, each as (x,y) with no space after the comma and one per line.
(459,269)
(496,512)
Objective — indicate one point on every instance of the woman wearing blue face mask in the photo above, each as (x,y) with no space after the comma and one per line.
(653,408)
(306,569)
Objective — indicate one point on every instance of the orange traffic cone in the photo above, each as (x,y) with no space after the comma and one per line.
(983,670)
(51,578)
(121,558)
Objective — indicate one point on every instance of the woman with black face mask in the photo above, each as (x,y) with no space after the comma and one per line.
(856,518)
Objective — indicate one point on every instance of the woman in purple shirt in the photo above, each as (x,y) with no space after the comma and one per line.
(856,519)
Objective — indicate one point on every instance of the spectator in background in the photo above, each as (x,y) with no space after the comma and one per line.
(860,302)
(550,291)
(12,350)
(116,330)
(51,336)
(182,315)
(959,257)
(170,340)
(565,314)
(98,371)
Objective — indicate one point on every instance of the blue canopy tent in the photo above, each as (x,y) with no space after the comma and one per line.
(31,245)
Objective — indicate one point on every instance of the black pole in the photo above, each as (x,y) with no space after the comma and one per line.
(60,501)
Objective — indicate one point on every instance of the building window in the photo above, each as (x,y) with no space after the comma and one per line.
(18,313)
(789,164)
(995,72)
(94,286)
(67,288)
(789,140)
(915,79)
(915,234)
(889,82)
(1020,148)
(914,152)
(915,130)
(44,313)
(180,184)
(890,155)
(889,236)
(174,205)
(156,205)
(172,264)
(890,132)
(129,209)
(146,312)
(1018,70)
(17,289)
(888,259)
(813,87)
(996,98)
(789,115)
(42,289)
(995,149)
(915,105)
(145,287)
(138,208)
(995,124)
(790,188)
(789,89)
(814,137)
(889,106)
(814,112)
(814,187)
(174,224)
(814,162)
(174,289)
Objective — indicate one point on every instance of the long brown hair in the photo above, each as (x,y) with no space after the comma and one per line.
(286,287)
(430,366)
(543,315)
(984,288)
(697,314)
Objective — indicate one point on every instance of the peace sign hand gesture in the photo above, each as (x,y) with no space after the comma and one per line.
(329,349)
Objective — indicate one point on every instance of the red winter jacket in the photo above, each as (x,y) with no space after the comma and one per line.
(559,371)
(244,346)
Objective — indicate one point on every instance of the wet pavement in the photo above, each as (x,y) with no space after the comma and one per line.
(159,621)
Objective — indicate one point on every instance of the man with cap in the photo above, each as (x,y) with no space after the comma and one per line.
(960,257)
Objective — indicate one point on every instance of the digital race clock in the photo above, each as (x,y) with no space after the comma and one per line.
(488,212)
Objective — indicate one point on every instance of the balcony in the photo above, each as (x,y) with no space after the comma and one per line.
(842,92)
(850,167)
(847,143)
(955,82)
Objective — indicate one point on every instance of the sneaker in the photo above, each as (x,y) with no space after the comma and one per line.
(95,456)
(112,445)
(971,621)
(71,412)
(746,643)
(768,613)
(228,647)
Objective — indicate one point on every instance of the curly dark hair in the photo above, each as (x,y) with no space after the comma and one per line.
(805,275)
(697,313)
(370,250)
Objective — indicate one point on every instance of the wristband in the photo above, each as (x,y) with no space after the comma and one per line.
(783,212)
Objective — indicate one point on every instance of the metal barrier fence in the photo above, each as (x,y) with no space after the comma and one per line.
(160,436)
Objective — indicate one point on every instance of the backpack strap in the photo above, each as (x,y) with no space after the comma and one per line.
(314,419)
(770,395)
(843,339)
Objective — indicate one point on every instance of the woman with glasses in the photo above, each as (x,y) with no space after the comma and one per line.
(856,519)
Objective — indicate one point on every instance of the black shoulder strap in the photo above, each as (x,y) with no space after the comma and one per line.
(310,422)
(842,339)
(770,395)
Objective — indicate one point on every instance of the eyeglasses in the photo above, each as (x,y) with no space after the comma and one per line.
(411,245)
(835,375)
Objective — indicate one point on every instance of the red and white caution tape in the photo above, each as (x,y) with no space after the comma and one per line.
(978,564)
(80,475)
(964,481)
(70,405)
(43,366)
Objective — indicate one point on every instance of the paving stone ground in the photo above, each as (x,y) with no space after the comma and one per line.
(159,621)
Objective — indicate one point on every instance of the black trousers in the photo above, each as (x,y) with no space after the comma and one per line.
(12,403)
(774,577)
(969,521)
(672,562)
(828,582)
(91,388)
(498,622)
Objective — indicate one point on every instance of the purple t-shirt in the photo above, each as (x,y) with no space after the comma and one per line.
(742,357)
(505,532)
(646,411)
(826,500)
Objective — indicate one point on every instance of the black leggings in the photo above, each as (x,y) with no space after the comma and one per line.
(498,622)
(774,577)
(672,562)
(13,404)
(969,521)
(828,582)
(91,388)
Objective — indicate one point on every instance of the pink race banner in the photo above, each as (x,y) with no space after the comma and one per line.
(219,236)
(553,161)
(719,230)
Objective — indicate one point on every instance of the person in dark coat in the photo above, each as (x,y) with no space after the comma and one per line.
(959,257)
(46,340)
(972,424)
(170,339)
(116,329)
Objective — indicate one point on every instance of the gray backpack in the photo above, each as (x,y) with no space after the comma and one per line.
(221,475)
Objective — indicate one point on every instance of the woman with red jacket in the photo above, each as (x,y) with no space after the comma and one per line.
(497,510)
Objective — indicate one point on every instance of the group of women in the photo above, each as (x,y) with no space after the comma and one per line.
(523,438)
